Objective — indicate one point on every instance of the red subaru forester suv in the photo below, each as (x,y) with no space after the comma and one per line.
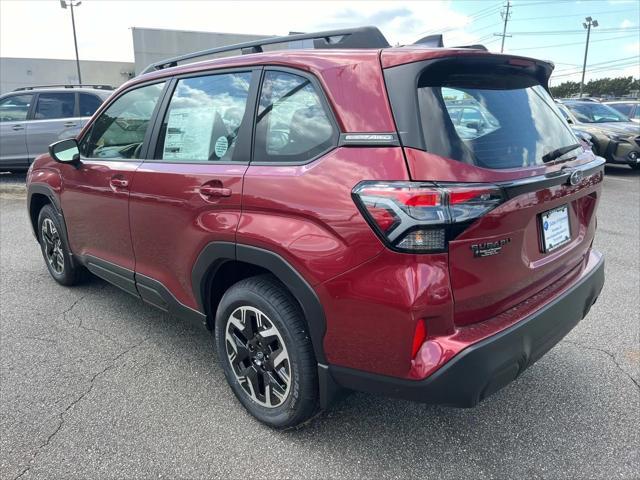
(415,221)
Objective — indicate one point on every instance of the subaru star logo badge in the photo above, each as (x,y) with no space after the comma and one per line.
(576,177)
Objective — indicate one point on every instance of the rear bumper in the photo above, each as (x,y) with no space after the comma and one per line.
(487,366)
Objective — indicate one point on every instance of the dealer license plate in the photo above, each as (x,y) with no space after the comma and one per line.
(555,228)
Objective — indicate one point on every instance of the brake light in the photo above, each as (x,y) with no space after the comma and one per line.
(423,217)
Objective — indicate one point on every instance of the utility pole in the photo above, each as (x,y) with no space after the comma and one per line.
(590,22)
(73,3)
(506,15)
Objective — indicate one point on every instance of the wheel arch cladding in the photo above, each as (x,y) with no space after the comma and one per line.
(211,263)
(36,202)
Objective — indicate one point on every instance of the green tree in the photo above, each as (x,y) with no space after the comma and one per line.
(602,87)
(565,89)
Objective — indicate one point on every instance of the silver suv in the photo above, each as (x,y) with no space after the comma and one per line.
(31,118)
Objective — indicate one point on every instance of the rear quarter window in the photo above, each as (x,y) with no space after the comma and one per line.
(293,124)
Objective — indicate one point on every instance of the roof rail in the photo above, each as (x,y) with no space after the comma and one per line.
(361,37)
(62,85)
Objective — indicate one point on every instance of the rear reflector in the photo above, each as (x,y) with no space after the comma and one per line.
(419,217)
(419,337)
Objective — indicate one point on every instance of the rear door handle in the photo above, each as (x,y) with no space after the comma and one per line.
(119,182)
(209,191)
(17,128)
(70,124)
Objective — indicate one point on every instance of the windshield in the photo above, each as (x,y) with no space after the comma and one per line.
(492,127)
(591,112)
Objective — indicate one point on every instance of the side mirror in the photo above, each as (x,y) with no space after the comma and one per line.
(65,151)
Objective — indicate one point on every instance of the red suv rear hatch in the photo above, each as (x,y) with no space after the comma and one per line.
(476,122)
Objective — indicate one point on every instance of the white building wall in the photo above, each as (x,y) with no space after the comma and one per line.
(25,72)
(152,45)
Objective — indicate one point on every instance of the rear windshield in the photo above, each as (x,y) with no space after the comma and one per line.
(492,121)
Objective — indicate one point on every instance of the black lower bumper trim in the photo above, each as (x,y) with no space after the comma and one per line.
(490,364)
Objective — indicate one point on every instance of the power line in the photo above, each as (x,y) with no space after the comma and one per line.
(573,43)
(478,15)
(632,57)
(568,16)
(575,32)
(621,66)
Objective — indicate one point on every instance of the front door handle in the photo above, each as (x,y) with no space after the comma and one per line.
(70,124)
(209,191)
(17,128)
(119,182)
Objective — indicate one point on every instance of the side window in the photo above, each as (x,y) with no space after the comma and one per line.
(624,108)
(55,105)
(119,131)
(89,104)
(203,118)
(15,108)
(292,124)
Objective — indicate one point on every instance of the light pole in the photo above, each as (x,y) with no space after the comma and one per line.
(590,22)
(73,3)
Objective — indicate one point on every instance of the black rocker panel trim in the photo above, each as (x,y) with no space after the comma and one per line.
(146,288)
(156,294)
(121,277)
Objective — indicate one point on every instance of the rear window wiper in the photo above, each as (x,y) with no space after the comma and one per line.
(558,152)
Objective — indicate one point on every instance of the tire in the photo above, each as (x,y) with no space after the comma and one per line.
(260,332)
(55,250)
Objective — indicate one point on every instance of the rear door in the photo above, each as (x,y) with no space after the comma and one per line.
(188,191)
(14,112)
(519,220)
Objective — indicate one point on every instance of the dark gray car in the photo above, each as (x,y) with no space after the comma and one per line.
(32,118)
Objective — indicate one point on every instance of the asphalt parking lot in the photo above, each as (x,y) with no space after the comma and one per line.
(95,384)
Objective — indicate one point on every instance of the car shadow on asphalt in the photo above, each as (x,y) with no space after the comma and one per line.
(562,404)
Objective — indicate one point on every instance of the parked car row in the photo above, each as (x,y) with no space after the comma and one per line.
(31,118)
(629,108)
(612,134)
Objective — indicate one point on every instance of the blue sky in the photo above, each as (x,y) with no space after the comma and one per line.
(541,28)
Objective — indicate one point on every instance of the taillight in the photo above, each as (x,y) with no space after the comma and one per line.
(423,217)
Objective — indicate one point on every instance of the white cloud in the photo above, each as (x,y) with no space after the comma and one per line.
(633,47)
(103,27)
(626,23)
